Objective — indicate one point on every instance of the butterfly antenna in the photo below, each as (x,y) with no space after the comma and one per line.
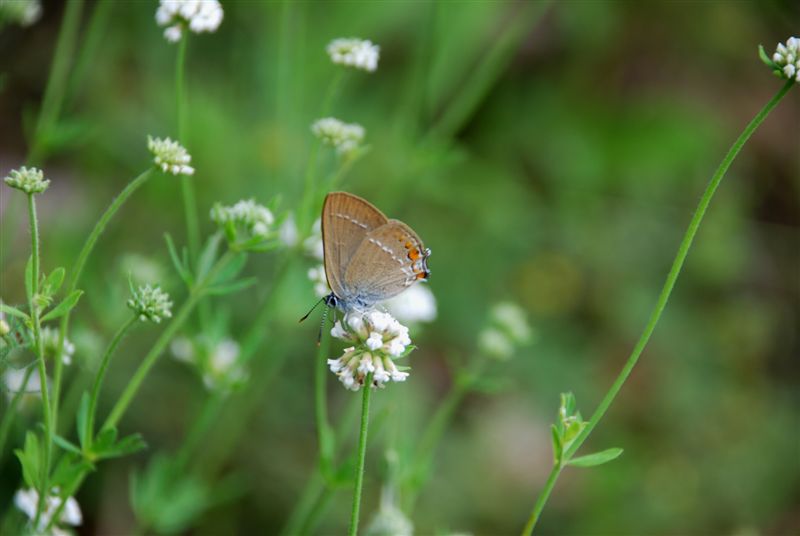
(312,309)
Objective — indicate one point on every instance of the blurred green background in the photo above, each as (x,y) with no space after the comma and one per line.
(550,154)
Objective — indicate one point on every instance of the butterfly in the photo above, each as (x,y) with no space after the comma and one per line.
(368,257)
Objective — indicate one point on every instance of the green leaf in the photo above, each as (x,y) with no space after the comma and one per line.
(30,457)
(67,473)
(183,272)
(598,458)
(64,307)
(54,281)
(29,278)
(105,439)
(230,288)
(7,309)
(208,255)
(66,445)
(125,446)
(558,447)
(82,420)
(765,58)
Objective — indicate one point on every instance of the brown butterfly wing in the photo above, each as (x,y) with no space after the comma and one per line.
(389,260)
(346,221)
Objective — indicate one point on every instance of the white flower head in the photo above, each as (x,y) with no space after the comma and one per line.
(170,156)
(786,59)
(344,137)
(216,361)
(22,12)
(13,379)
(378,340)
(150,303)
(317,277)
(506,330)
(244,221)
(50,338)
(28,180)
(27,501)
(198,15)
(288,233)
(415,304)
(313,244)
(358,53)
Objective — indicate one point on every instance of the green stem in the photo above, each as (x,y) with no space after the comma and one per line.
(101,373)
(77,271)
(542,499)
(663,297)
(187,183)
(362,454)
(57,80)
(161,343)
(39,348)
(11,411)
(324,431)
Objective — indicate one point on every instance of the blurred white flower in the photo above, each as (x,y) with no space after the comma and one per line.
(416,304)
(379,339)
(150,303)
(787,59)
(358,53)
(216,361)
(141,267)
(199,15)
(246,216)
(28,180)
(507,329)
(50,342)
(390,521)
(170,156)
(288,233)
(27,500)
(344,137)
(313,244)
(317,276)
(14,378)
(22,12)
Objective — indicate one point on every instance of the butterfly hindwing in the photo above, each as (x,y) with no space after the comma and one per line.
(346,221)
(389,259)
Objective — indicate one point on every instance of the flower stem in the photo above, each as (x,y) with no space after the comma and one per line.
(161,343)
(362,455)
(324,430)
(39,349)
(663,297)
(187,184)
(542,499)
(77,271)
(101,373)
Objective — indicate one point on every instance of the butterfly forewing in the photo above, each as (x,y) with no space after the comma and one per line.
(346,221)
(393,246)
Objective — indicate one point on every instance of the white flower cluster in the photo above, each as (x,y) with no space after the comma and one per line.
(151,303)
(344,137)
(217,361)
(28,499)
(13,379)
(313,244)
(170,156)
(245,215)
(787,58)
(378,338)
(507,329)
(199,15)
(22,12)
(29,180)
(317,276)
(358,53)
(50,338)
(413,305)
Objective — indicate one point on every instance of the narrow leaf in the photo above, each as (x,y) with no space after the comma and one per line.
(558,447)
(66,445)
(765,58)
(176,262)
(82,420)
(54,281)
(64,307)
(230,288)
(7,309)
(598,458)
(208,255)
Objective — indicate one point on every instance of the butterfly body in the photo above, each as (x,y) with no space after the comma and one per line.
(368,257)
